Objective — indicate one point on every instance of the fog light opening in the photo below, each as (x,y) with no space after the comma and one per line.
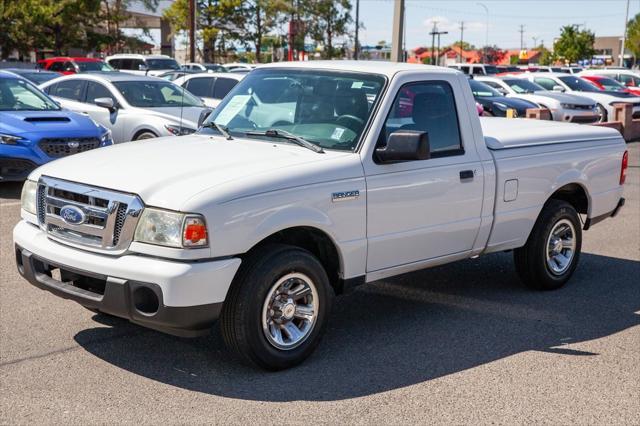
(145,300)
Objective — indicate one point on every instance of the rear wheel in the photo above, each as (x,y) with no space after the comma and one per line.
(550,256)
(277,307)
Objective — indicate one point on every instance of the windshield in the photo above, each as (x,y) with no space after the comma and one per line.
(151,94)
(481,90)
(579,84)
(215,68)
(327,108)
(94,66)
(490,69)
(19,95)
(523,86)
(162,64)
(611,85)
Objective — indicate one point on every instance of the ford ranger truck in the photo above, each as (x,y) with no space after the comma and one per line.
(308,179)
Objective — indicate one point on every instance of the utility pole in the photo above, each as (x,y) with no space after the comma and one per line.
(521,31)
(461,41)
(438,51)
(291,33)
(486,35)
(433,33)
(397,53)
(624,35)
(535,42)
(356,48)
(192,30)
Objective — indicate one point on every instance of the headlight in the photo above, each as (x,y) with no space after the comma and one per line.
(28,197)
(106,138)
(9,139)
(179,130)
(171,229)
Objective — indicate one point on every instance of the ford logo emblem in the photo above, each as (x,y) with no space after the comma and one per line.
(72,215)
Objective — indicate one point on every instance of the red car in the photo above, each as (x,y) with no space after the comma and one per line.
(609,84)
(72,65)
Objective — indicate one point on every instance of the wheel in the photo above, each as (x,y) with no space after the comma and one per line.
(551,254)
(145,135)
(277,307)
(602,112)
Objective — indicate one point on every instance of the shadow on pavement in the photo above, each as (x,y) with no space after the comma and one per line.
(10,190)
(398,332)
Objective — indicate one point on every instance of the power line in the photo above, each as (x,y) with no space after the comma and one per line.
(461,41)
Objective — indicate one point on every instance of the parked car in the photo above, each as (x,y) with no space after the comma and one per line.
(507,69)
(36,76)
(286,198)
(173,75)
(610,85)
(192,66)
(72,65)
(143,64)
(572,70)
(133,107)
(495,104)
(626,77)
(210,87)
(35,130)
(545,68)
(476,69)
(565,83)
(563,106)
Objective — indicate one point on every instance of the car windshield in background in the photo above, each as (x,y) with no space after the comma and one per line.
(481,90)
(611,85)
(520,85)
(20,95)
(579,84)
(162,64)
(216,68)
(151,94)
(328,109)
(94,66)
(490,69)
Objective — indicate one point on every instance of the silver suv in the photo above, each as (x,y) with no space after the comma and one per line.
(133,107)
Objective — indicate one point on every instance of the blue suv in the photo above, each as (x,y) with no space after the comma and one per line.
(35,130)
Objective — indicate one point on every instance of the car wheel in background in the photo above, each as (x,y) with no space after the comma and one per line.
(144,135)
(602,112)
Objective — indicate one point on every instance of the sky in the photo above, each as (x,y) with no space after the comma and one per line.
(541,19)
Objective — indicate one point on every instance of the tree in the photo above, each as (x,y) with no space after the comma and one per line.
(328,19)
(114,13)
(633,36)
(261,17)
(464,45)
(493,54)
(574,44)
(547,57)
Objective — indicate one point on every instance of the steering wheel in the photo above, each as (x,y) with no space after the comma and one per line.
(350,121)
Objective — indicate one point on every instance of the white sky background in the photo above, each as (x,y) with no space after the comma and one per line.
(542,19)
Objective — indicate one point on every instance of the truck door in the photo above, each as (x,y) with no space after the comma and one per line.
(424,209)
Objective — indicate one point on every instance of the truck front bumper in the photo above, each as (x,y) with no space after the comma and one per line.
(179,298)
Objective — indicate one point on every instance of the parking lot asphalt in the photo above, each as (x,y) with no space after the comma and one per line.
(461,343)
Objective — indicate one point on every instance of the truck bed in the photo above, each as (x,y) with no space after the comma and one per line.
(501,133)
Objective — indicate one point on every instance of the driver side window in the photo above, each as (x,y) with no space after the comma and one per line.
(427,107)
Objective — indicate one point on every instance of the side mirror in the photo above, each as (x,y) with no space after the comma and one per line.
(105,103)
(203,116)
(70,69)
(405,145)
(142,67)
(558,88)
(502,91)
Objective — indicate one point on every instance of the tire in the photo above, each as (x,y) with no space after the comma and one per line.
(541,262)
(251,314)
(603,114)
(144,135)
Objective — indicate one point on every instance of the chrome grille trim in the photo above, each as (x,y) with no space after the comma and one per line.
(110,217)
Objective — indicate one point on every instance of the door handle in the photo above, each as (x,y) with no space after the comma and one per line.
(466,174)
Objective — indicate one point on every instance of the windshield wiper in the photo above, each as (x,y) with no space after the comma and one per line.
(283,134)
(224,131)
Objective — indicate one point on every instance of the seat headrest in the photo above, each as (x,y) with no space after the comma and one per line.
(352,102)
(430,106)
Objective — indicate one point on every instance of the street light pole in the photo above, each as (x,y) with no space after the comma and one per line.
(486,35)
(624,35)
(356,49)
(397,53)
(192,30)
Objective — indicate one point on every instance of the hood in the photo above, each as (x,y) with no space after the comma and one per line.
(519,105)
(565,98)
(183,173)
(52,123)
(190,115)
(608,97)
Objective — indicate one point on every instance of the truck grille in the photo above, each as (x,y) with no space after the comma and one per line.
(85,216)
(61,147)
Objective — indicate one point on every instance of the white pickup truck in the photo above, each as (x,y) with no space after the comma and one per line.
(308,179)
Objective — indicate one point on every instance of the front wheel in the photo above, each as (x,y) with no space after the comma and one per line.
(277,307)
(550,256)
(602,113)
